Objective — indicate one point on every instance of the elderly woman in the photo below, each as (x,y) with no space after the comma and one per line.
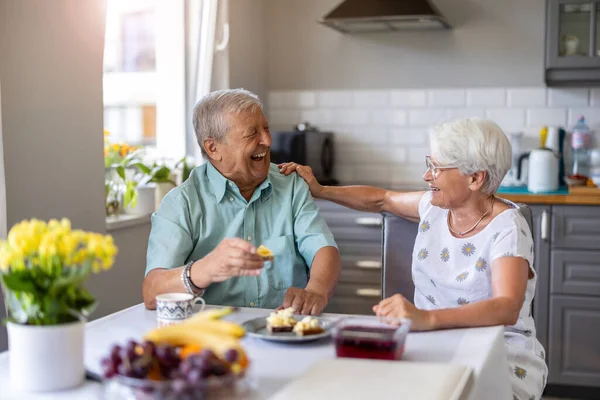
(472,262)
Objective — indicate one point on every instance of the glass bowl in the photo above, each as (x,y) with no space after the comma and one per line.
(371,337)
(124,388)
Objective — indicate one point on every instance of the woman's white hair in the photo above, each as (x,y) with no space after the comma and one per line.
(210,113)
(473,145)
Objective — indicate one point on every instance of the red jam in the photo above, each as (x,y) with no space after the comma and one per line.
(368,342)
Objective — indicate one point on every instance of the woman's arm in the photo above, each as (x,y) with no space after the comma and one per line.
(509,283)
(362,198)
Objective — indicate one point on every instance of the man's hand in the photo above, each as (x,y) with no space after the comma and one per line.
(232,257)
(397,306)
(304,301)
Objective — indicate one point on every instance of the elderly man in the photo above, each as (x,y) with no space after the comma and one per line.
(206,232)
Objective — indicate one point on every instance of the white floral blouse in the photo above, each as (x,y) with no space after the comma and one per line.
(449,272)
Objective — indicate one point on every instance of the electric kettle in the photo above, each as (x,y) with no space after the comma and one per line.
(542,169)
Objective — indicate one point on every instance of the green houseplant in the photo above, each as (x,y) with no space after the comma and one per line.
(44,267)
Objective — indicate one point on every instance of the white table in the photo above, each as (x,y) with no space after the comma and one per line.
(275,364)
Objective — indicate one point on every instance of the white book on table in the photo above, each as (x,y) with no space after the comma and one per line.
(348,378)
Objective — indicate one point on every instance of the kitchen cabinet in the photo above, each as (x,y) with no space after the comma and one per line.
(572,42)
(542,216)
(574,346)
(358,236)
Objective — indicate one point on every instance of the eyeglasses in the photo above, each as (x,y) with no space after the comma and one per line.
(435,170)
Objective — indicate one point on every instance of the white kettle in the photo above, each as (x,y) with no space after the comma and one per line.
(542,169)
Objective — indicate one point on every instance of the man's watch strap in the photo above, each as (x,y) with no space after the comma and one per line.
(190,287)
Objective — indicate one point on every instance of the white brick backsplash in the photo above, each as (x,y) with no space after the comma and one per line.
(334,99)
(316,117)
(537,117)
(395,154)
(409,98)
(377,174)
(595,96)
(382,136)
(417,155)
(526,97)
(405,136)
(509,119)
(568,97)
(284,117)
(408,174)
(426,117)
(454,113)
(350,116)
(490,97)
(276,100)
(382,117)
(371,98)
(371,135)
(446,97)
(592,117)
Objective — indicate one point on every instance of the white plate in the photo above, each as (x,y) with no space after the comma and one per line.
(257,328)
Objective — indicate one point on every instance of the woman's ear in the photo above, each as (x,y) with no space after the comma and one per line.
(477,180)
(212,149)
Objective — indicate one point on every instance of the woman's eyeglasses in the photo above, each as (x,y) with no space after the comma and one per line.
(435,170)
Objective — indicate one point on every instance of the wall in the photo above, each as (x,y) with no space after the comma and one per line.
(248,57)
(493,43)
(3,336)
(51,71)
(379,93)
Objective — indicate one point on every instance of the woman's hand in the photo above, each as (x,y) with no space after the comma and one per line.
(397,306)
(305,173)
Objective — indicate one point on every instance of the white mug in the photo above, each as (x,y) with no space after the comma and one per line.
(176,307)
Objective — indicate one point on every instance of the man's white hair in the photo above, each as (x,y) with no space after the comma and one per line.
(210,114)
(472,145)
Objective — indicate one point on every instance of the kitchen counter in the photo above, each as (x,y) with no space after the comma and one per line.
(559,197)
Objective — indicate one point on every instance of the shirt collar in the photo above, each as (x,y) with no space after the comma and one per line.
(219,185)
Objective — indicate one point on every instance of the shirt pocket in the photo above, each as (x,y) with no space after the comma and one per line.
(280,271)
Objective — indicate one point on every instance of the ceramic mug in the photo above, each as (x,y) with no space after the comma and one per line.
(176,307)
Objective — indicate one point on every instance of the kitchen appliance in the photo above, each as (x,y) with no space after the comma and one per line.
(361,16)
(511,178)
(542,170)
(307,146)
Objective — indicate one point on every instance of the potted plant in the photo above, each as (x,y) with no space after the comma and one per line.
(44,267)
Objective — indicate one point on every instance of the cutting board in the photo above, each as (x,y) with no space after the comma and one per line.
(348,378)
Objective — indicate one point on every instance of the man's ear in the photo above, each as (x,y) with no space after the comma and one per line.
(477,180)
(212,150)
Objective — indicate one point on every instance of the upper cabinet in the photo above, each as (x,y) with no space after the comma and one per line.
(572,42)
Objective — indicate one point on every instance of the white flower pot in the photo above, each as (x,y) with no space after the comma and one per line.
(162,189)
(146,203)
(46,358)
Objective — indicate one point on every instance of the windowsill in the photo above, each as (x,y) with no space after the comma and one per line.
(123,221)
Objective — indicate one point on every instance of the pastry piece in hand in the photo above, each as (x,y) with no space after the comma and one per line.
(281,321)
(308,326)
(265,253)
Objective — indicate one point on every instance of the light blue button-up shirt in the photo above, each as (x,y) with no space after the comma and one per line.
(196,216)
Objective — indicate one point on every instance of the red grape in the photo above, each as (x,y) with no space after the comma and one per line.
(231,356)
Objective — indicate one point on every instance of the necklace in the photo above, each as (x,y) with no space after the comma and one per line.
(476,223)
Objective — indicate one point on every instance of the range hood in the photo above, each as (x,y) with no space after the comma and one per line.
(362,16)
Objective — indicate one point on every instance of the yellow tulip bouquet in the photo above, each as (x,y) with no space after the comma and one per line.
(44,267)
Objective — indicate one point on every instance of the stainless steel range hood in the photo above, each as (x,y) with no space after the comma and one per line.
(362,16)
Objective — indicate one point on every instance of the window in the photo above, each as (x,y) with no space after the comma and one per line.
(144,74)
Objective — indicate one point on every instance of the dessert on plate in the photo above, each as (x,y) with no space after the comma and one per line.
(308,326)
(265,253)
(281,321)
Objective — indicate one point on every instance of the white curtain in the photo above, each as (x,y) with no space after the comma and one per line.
(201,23)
